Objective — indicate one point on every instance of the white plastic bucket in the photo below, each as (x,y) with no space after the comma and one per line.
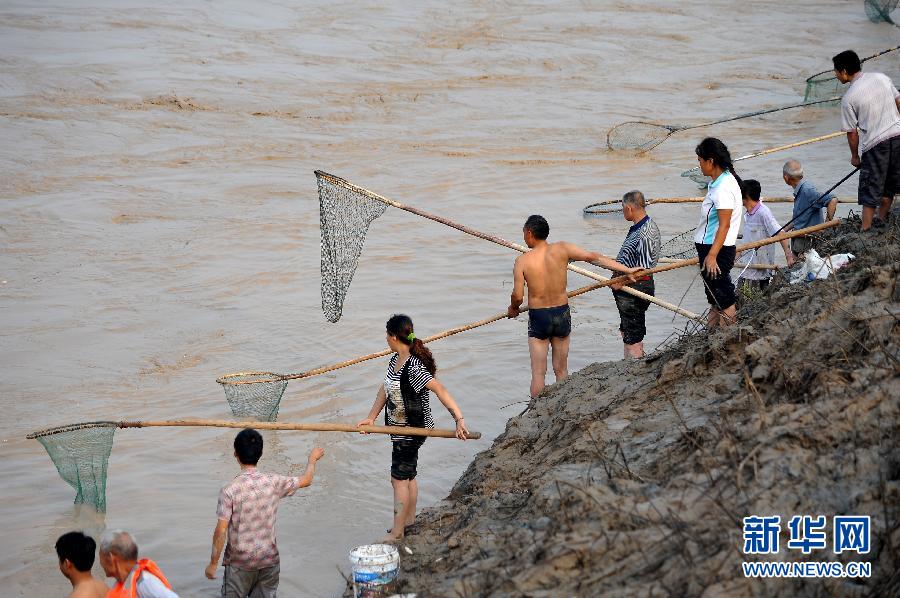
(375,567)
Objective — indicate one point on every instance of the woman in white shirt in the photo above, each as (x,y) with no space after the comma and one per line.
(716,234)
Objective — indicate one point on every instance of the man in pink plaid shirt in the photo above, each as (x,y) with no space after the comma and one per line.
(246,513)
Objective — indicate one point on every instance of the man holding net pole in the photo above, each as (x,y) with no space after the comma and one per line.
(641,250)
(870,115)
(543,270)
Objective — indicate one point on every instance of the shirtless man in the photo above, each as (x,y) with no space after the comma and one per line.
(76,557)
(543,270)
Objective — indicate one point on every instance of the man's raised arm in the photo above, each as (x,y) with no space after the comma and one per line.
(578,254)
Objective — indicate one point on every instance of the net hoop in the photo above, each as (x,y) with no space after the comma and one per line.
(638,136)
(71,428)
(255,378)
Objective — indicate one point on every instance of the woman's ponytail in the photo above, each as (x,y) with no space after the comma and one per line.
(423,354)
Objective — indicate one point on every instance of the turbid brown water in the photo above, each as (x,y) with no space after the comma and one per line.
(160,227)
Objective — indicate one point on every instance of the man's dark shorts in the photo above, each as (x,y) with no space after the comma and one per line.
(261,583)
(549,322)
(404,458)
(633,310)
(719,289)
(879,172)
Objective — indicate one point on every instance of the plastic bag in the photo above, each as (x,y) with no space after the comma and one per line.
(817,268)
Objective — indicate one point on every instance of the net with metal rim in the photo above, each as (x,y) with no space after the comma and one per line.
(822,86)
(637,136)
(679,247)
(345,216)
(254,394)
(80,453)
(880,10)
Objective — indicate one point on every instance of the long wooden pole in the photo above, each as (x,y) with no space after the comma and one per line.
(772,150)
(745,247)
(334,180)
(618,202)
(669,260)
(265,377)
(313,427)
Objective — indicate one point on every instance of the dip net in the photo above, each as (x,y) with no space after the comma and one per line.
(679,247)
(637,136)
(880,10)
(80,453)
(254,394)
(345,215)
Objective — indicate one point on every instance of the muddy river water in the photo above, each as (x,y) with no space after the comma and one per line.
(159,225)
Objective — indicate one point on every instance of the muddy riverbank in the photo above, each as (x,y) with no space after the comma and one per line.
(633,478)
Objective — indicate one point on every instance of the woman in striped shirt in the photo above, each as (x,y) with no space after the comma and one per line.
(405,396)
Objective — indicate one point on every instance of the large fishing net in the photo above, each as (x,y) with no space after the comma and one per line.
(637,136)
(345,216)
(880,10)
(679,247)
(254,394)
(81,453)
(822,86)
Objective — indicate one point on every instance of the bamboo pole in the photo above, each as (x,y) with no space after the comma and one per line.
(618,202)
(311,427)
(222,423)
(771,150)
(768,241)
(493,239)
(669,260)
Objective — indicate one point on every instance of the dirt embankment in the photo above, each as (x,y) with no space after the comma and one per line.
(633,478)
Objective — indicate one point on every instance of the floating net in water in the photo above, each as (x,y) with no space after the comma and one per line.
(880,10)
(345,215)
(254,394)
(81,454)
(637,136)
(679,247)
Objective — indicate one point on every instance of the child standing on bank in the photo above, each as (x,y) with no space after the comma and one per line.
(405,397)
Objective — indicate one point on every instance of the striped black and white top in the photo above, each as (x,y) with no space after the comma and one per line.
(418,378)
(641,246)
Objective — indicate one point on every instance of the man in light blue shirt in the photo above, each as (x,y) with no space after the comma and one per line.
(807,205)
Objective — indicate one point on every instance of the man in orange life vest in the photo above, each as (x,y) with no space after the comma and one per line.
(134,578)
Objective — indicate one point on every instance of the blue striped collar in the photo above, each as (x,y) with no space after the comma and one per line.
(638,225)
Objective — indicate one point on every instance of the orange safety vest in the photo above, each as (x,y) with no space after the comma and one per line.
(120,591)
